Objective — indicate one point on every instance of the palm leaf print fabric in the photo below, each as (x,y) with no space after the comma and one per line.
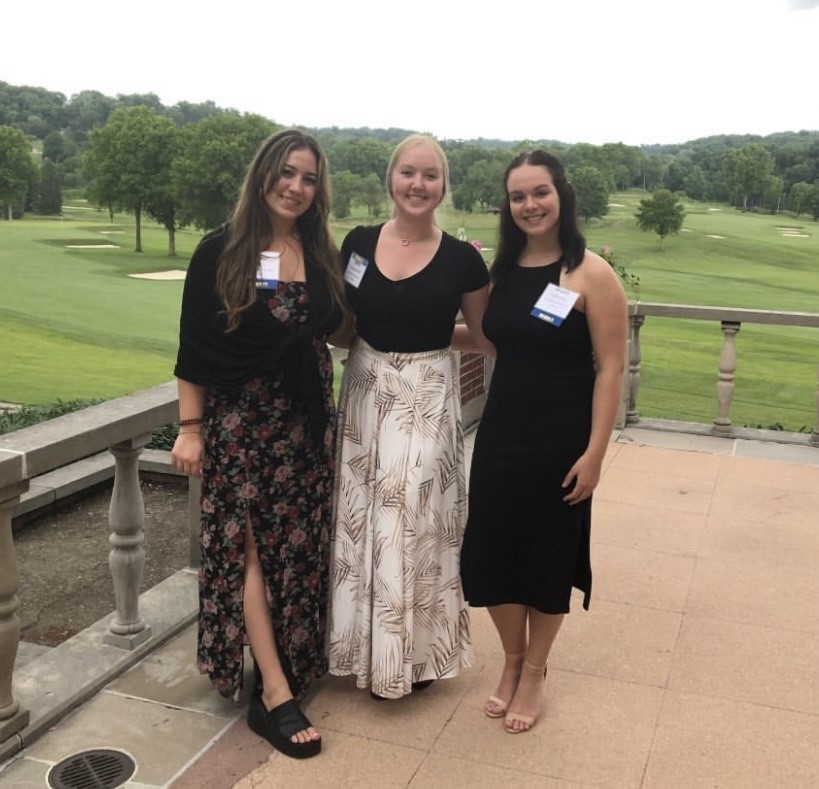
(397,611)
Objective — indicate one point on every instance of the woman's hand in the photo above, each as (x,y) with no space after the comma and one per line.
(585,474)
(188,452)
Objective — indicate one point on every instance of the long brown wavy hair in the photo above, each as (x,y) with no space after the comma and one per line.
(250,230)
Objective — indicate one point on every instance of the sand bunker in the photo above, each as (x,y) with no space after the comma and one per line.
(111,232)
(92,246)
(617,205)
(686,230)
(715,209)
(795,235)
(709,235)
(173,274)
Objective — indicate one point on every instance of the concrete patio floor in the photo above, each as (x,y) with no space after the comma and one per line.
(697,665)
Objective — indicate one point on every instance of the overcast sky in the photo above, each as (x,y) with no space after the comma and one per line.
(632,71)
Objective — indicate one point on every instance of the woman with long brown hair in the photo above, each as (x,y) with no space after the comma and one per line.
(256,422)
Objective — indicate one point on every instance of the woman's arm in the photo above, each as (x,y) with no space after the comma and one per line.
(606,313)
(469,336)
(189,447)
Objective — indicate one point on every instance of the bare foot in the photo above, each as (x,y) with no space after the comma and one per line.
(527,702)
(276,697)
(498,703)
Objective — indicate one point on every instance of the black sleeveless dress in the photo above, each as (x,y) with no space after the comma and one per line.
(523,544)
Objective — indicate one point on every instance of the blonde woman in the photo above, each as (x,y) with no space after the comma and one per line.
(398,617)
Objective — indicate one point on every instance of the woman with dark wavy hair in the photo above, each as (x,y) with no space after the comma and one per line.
(256,423)
(557,319)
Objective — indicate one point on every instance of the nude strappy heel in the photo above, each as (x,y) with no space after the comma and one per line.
(495,706)
(528,721)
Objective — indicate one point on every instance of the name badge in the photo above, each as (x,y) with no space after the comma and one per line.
(267,277)
(554,304)
(356,269)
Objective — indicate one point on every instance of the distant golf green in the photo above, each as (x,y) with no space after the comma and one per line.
(77,320)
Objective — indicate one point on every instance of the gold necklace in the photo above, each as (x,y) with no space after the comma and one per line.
(405,242)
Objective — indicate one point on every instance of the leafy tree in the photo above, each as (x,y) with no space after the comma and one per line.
(484,180)
(16,167)
(208,172)
(463,198)
(54,147)
(150,100)
(185,112)
(676,173)
(361,156)
(813,200)
(372,194)
(800,196)
(461,156)
(35,111)
(653,172)
(661,213)
(772,193)
(345,188)
(86,110)
(747,171)
(695,185)
(591,190)
(51,188)
(130,163)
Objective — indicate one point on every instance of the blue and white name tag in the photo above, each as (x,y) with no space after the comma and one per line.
(356,269)
(267,277)
(554,304)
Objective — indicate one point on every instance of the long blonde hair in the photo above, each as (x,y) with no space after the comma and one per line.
(250,230)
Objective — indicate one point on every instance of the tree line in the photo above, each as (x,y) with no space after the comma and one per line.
(182,165)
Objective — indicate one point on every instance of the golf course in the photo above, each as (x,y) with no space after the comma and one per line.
(82,316)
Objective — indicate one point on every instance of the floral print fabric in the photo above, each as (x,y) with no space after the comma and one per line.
(262,464)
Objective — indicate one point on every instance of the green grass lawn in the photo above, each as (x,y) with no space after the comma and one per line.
(75,325)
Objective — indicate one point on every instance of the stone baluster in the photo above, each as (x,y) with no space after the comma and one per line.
(12,717)
(127,557)
(725,381)
(634,358)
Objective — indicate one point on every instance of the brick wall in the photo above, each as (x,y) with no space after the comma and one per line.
(473,377)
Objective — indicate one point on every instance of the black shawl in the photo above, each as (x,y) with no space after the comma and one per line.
(211,356)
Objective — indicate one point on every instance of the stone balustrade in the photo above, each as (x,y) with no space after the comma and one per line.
(730,320)
(124,426)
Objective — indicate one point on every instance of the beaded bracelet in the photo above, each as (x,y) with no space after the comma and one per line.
(197,421)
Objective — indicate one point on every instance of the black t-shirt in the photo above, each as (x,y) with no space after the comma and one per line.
(417,313)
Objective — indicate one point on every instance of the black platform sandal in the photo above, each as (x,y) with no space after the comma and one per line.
(278,725)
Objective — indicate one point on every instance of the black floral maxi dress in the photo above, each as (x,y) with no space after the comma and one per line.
(261,462)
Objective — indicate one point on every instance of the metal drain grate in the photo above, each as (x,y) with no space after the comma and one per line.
(100,768)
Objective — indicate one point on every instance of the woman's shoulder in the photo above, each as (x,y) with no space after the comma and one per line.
(370,232)
(362,240)
(212,243)
(463,249)
(595,267)
(463,253)
(596,278)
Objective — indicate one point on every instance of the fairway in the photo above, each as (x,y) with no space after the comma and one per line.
(75,322)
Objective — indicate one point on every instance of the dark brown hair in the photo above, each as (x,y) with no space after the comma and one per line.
(512,239)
